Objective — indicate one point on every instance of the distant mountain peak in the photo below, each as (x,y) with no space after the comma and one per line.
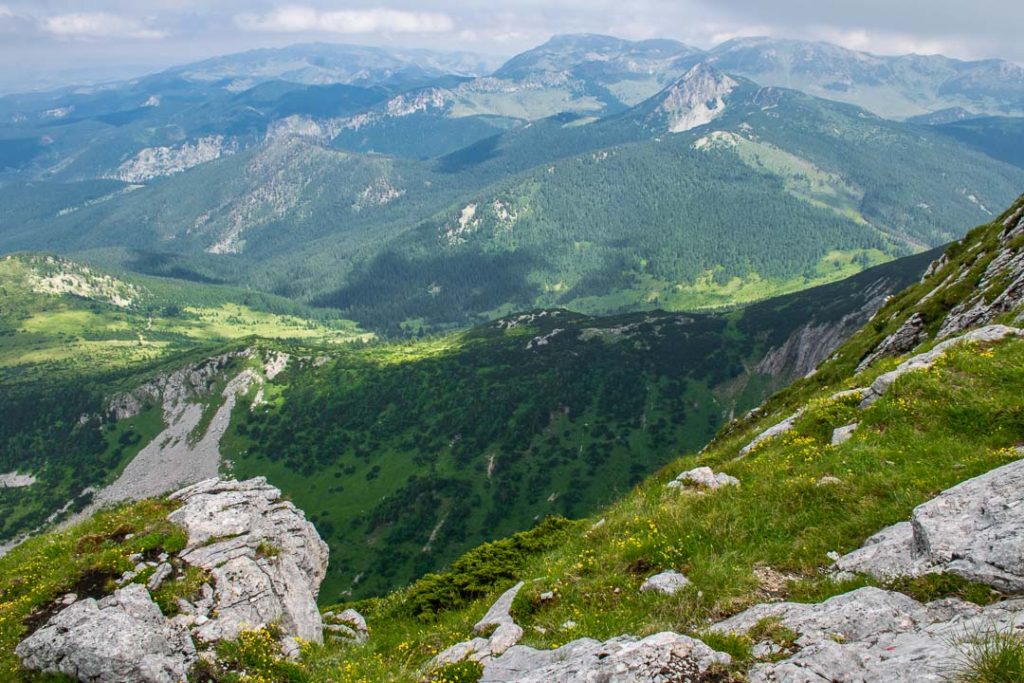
(696,98)
(571,51)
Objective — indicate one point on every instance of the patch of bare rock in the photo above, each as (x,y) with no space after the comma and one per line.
(868,635)
(265,562)
(702,479)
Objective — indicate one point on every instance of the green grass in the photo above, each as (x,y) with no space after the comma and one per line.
(80,332)
(932,430)
(707,293)
(991,657)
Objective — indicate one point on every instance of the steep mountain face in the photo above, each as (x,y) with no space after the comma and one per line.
(696,99)
(895,87)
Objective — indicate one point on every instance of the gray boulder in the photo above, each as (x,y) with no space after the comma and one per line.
(348,625)
(974,530)
(504,633)
(662,657)
(704,478)
(870,636)
(841,435)
(667,583)
(266,559)
(771,433)
(123,637)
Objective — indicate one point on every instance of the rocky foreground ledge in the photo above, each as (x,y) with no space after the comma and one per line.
(263,563)
(974,530)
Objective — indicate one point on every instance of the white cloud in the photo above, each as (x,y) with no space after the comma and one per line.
(883,42)
(301,19)
(5,12)
(93,25)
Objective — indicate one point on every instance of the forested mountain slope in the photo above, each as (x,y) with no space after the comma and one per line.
(597,216)
(73,336)
(924,396)
(882,426)
(404,454)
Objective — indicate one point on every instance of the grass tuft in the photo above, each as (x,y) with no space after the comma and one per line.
(994,656)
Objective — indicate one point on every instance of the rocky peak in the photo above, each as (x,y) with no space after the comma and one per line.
(695,99)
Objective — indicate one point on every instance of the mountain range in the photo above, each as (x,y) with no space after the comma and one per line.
(821,530)
(411,194)
(637,355)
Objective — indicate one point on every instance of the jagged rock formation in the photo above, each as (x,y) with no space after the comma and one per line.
(1001,288)
(699,97)
(504,633)
(909,335)
(973,530)
(266,560)
(265,563)
(123,637)
(661,657)
(178,456)
(812,343)
(869,635)
(156,162)
(995,275)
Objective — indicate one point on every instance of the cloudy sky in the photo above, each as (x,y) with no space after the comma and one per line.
(46,42)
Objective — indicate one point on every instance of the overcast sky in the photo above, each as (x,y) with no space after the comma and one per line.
(43,42)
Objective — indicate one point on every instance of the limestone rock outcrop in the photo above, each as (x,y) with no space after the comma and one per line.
(667,582)
(771,433)
(923,361)
(1001,288)
(974,530)
(495,633)
(703,478)
(911,333)
(661,658)
(123,637)
(869,635)
(266,559)
(841,435)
